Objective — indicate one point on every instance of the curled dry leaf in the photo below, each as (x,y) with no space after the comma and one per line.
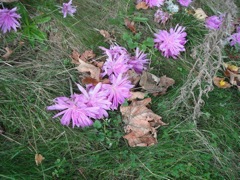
(133,77)
(140,123)
(75,57)
(86,67)
(141,5)
(130,25)
(136,95)
(87,55)
(38,159)
(221,83)
(233,72)
(8,53)
(155,85)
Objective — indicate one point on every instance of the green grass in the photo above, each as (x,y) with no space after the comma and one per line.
(208,149)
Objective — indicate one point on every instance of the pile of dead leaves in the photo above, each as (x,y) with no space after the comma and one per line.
(232,77)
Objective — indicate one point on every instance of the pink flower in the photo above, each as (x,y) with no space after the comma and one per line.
(185,2)
(214,22)
(95,96)
(9,19)
(234,39)
(74,110)
(161,16)
(67,8)
(152,3)
(238,29)
(171,43)
(118,91)
(139,62)
(117,60)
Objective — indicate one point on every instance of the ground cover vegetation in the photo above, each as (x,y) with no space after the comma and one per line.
(197,111)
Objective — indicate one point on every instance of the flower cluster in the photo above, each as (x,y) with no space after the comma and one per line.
(94,101)
(171,43)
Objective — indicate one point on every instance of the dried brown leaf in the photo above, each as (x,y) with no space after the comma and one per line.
(86,67)
(105,34)
(133,77)
(221,83)
(75,57)
(89,80)
(140,123)
(87,55)
(130,25)
(156,85)
(136,95)
(8,53)
(141,5)
(200,14)
(38,159)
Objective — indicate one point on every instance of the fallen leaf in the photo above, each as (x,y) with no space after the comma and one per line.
(153,84)
(133,77)
(38,159)
(136,95)
(89,68)
(130,25)
(140,123)
(8,53)
(221,83)
(89,80)
(141,5)
(75,57)
(105,34)
(200,14)
(87,55)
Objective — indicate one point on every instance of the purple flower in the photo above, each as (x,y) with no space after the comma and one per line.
(9,19)
(118,91)
(117,60)
(238,29)
(161,16)
(171,43)
(213,22)
(95,96)
(67,8)
(152,3)
(234,39)
(139,62)
(185,2)
(74,110)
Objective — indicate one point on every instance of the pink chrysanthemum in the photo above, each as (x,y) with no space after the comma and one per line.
(213,22)
(152,3)
(74,110)
(117,60)
(67,8)
(185,2)
(161,16)
(234,39)
(118,91)
(9,19)
(95,96)
(171,43)
(139,62)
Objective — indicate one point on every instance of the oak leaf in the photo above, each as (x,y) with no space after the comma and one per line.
(140,123)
